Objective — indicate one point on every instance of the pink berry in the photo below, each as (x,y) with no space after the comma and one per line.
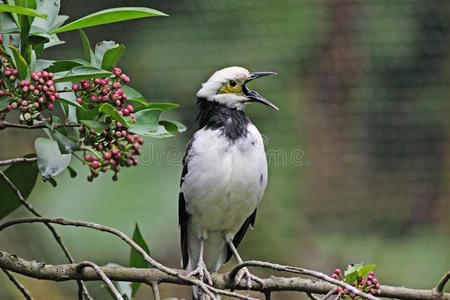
(125,78)
(79,100)
(337,271)
(24,102)
(114,151)
(105,90)
(107,155)
(371,273)
(334,276)
(75,86)
(116,85)
(117,71)
(95,164)
(88,157)
(130,108)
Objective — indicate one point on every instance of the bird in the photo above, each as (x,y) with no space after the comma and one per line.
(224,175)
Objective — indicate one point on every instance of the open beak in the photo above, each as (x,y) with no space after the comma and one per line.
(254,96)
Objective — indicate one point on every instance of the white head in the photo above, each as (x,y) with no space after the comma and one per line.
(227,87)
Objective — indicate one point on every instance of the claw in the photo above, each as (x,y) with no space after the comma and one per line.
(244,272)
(202,272)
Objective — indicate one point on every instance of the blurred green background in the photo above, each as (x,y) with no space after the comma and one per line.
(359,152)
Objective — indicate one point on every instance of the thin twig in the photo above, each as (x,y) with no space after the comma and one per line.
(81,286)
(105,278)
(19,286)
(155,290)
(17,161)
(302,271)
(329,294)
(442,282)
(312,297)
(267,295)
(5,124)
(206,288)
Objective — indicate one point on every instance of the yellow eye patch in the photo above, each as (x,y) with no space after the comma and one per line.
(231,87)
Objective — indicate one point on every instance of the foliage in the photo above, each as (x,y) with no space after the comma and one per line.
(84,105)
(360,276)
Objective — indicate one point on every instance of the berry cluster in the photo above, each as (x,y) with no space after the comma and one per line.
(368,285)
(28,97)
(113,148)
(103,90)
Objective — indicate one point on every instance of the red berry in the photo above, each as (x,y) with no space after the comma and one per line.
(334,276)
(117,71)
(371,273)
(337,271)
(107,155)
(114,151)
(125,78)
(75,86)
(79,100)
(50,106)
(95,164)
(130,108)
(88,157)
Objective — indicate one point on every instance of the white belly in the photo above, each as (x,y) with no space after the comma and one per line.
(225,182)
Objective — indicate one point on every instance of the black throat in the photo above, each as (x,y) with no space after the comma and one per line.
(232,122)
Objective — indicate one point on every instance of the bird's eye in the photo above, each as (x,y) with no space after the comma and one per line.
(232,83)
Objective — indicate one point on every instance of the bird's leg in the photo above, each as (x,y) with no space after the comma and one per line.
(201,269)
(244,271)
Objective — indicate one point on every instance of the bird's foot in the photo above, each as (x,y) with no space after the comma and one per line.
(201,271)
(249,276)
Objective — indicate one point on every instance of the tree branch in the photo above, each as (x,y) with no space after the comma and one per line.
(221,281)
(5,124)
(192,281)
(102,275)
(155,290)
(17,161)
(441,284)
(19,286)
(81,286)
(302,271)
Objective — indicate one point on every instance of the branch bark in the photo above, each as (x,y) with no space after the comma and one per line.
(5,124)
(66,272)
(102,275)
(17,161)
(19,286)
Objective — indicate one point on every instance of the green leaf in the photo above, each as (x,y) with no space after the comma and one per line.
(6,23)
(54,20)
(364,271)
(21,64)
(21,11)
(136,259)
(96,125)
(65,145)
(161,106)
(100,50)
(32,65)
(50,160)
(133,95)
(87,50)
(80,73)
(24,178)
(65,65)
(70,102)
(146,122)
(42,64)
(111,15)
(4,102)
(112,56)
(111,111)
(351,274)
(173,126)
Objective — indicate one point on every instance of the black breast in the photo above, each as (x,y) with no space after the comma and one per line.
(232,122)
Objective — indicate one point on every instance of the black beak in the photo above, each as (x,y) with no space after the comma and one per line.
(254,96)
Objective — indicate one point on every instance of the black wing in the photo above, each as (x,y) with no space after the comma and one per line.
(183,215)
(240,234)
